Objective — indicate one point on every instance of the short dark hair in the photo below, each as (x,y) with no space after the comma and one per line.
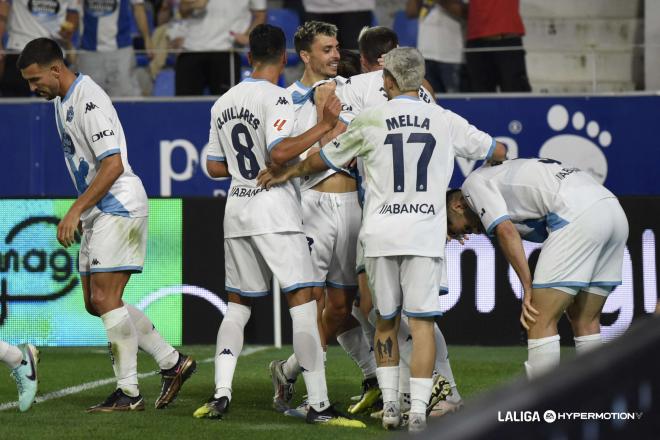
(41,51)
(450,194)
(305,34)
(267,43)
(376,41)
(349,63)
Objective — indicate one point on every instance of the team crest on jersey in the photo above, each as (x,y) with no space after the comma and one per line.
(69,114)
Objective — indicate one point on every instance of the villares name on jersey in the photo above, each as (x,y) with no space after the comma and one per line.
(247,122)
(407,148)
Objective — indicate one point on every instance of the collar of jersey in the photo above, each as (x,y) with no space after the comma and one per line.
(73,86)
(250,79)
(406,98)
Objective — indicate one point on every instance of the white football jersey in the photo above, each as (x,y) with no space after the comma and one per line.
(246,123)
(30,19)
(306,118)
(90,131)
(537,195)
(365,91)
(407,148)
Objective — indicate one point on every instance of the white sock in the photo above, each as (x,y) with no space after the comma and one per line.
(325,357)
(420,394)
(355,344)
(388,381)
(584,344)
(291,368)
(405,342)
(123,346)
(368,329)
(307,347)
(404,386)
(542,355)
(228,347)
(150,341)
(442,364)
(10,355)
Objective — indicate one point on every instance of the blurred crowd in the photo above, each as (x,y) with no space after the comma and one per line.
(124,45)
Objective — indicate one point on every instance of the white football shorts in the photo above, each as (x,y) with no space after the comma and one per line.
(112,243)
(406,283)
(252,261)
(331,222)
(586,254)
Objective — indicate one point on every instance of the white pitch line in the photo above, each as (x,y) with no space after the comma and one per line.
(99,383)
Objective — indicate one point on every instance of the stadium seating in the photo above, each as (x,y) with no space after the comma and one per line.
(406,28)
(164,83)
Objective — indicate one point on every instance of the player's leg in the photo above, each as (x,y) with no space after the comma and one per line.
(543,336)
(175,367)
(22,361)
(115,254)
(584,316)
(246,277)
(383,278)
(107,289)
(296,280)
(317,229)
(440,404)
(421,279)
(608,222)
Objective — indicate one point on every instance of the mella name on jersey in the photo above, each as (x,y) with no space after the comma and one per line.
(231,113)
(406,121)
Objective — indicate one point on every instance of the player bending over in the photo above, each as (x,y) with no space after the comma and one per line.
(112,209)
(584,233)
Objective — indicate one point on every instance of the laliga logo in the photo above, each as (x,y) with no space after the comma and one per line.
(193,159)
(33,268)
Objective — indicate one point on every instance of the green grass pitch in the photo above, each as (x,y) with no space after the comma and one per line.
(477,369)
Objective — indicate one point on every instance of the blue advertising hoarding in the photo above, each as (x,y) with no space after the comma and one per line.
(611,137)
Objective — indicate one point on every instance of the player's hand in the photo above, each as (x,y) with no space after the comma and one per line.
(240,39)
(273,175)
(66,229)
(331,111)
(528,312)
(322,92)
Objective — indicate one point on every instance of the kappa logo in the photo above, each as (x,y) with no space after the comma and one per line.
(483,212)
(282,100)
(226,351)
(335,142)
(310,242)
(69,114)
(279,124)
(90,106)
(95,262)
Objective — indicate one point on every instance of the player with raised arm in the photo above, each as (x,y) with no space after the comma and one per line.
(408,149)
(362,92)
(22,361)
(112,210)
(250,128)
(583,230)
(331,222)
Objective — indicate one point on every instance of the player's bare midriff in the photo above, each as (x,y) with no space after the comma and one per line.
(336,183)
